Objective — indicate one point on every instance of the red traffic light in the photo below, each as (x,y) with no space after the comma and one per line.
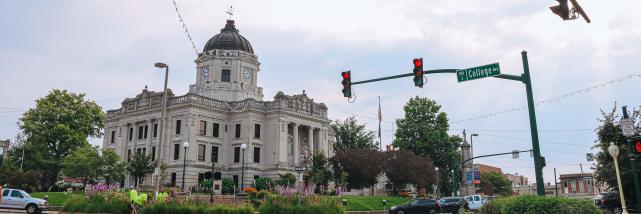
(418,62)
(345,75)
(637,146)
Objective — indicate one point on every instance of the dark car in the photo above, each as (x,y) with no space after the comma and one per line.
(609,201)
(421,205)
(456,205)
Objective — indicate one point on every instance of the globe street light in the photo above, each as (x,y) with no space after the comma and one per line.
(436,191)
(185,145)
(614,152)
(242,170)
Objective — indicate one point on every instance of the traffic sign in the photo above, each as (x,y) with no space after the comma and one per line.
(478,72)
(627,126)
(515,154)
(300,168)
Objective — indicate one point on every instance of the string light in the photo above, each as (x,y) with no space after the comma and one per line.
(180,18)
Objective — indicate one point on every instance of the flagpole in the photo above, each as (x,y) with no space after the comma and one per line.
(380,117)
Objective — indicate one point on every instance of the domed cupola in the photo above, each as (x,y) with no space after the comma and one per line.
(229,39)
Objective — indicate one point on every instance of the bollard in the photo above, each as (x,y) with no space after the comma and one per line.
(384,204)
(344,202)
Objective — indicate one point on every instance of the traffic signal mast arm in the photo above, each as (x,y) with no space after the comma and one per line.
(437,71)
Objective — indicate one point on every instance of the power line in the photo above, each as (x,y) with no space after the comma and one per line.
(553,99)
(527,139)
(180,19)
(524,130)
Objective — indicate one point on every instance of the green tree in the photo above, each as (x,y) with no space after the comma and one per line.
(60,123)
(228,186)
(610,132)
(350,134)
(82,163)
(112,168)
(286,180)
(423,131)
(320,172)
(362,167)
(495,183)
(139,166)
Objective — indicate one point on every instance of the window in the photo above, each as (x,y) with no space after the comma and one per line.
(214,154)
(5,192)
(237,135)
(236,181)
(215,129)
(156,130)
(574,188)
(128,154)
(256,155)
(590,185)
(153,153)
(225,77)
(173,179)
(201,152)
(16,194)
(144,151)
(138,151)
(131,133)
(178,126)
(225,128)
(146,129)
(236,154)
(257,131)
(202,129)
(140,132)
(113,137)
(581,186)
(176,151)
(256,177)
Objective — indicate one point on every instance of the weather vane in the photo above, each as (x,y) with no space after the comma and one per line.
(230,12)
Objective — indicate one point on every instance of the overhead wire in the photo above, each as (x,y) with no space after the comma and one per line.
(180,19)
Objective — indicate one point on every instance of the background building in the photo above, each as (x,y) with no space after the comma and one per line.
(223,109)
(578,185)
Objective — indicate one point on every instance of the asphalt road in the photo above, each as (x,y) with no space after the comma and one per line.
(21,211)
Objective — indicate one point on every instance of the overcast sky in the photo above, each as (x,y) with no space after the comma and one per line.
(107,49)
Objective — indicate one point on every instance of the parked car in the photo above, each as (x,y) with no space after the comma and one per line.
(421,205)
(456,205)
(609,201)
(19,199)
(475,202)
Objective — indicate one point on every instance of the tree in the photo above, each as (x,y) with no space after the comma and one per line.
(362,167)
(350,134)
(494,182)
(610,132)
(112,168)
(404,167)
(82,163)
(60,123)
(286,180)
(423,131)
(139,166)
(320,172)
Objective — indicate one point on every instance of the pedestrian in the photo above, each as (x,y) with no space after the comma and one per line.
(1,192)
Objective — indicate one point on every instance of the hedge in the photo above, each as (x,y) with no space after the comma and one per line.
(99,203)
(309,205)
(175,208)
(531,204)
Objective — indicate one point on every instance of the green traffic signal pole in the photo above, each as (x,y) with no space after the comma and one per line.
(525,79)
(635,173)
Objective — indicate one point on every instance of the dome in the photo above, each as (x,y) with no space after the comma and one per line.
(229,39)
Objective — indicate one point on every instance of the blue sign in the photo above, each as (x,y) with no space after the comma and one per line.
(477,177)
(468,177)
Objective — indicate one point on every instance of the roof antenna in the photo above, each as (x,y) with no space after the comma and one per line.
(230,12)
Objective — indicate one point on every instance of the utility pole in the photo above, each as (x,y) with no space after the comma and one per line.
(627,126)
(556,186)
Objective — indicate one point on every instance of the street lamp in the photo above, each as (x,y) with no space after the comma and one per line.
(214,157)
(185,145)
(614,152)
(242,171)
(436,191)
(472,144)
(162,124)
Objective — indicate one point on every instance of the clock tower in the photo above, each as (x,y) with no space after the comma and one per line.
(227,68)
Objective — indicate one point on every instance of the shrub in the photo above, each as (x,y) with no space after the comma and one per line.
(103,202)
(309,205)
(228,186)
(195,208)
(263,183)
(531,204)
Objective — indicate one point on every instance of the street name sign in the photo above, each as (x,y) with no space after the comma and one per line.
(478,72)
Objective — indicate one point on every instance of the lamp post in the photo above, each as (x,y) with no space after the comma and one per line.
(162,124)
(627,127)
(214,158)
(614,152)
(437,175)
(185,145)
(242,171)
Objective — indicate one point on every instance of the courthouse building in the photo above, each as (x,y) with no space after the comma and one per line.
(223,110)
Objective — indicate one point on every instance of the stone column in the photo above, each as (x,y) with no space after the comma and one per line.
(310,140)
(296,144)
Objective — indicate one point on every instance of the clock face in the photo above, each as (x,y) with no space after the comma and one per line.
(247,74)
(205,72)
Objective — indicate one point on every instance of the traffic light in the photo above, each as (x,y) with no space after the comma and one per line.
(562,9)
(418,72)
(347,83)
(637,147)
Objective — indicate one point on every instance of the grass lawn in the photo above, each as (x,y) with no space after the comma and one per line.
(369,203)
(55,198)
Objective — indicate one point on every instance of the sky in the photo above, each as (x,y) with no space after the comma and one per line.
(106,49)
